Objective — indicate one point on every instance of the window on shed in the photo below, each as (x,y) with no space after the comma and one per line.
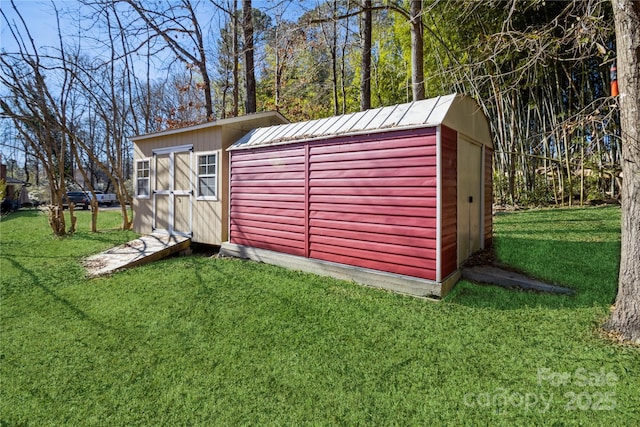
(207,175)
(142,178)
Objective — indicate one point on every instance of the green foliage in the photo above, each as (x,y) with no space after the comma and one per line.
(500,188)
(391,61)
(305,89)
(204,341)
(596,182)
(540,195)
(3,189)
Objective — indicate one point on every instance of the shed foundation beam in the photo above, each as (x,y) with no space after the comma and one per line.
(378,279)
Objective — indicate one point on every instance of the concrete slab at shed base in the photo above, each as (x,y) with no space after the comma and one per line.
(378,279)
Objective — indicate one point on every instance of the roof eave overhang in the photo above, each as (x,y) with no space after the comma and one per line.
(216,123)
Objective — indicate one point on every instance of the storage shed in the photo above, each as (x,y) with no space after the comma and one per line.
(181,177)
(395,197)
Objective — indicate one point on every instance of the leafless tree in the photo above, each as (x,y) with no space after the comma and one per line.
(39,110)
(180,29)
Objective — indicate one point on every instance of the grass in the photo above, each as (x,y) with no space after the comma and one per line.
(201,341)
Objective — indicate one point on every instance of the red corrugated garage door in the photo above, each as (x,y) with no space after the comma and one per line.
(368,201)
(267,203)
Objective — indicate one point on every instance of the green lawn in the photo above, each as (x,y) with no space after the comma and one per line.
(202,341)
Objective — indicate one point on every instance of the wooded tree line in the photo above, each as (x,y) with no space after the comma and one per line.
(540,71)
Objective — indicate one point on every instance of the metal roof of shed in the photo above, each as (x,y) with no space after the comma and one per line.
(458,112)
(245,123)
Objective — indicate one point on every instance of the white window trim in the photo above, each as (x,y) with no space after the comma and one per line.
(217,175)
(143,196)
(173,149)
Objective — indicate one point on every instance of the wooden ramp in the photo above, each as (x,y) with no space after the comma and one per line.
(136,252)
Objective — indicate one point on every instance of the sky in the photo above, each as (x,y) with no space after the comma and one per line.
(40,19)
(38,15)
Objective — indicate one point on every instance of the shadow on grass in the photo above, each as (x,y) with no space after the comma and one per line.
(60,300)
(589,268)
(578,248)
(102,235)
(111,237)
(30,213)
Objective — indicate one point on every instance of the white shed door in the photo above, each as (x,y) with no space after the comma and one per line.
(469,198)
(173,191)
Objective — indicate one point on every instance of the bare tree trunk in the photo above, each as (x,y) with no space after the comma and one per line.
(250,77)
(343,67)
(333,48)
(582,172)
(236,60)
(365,78)
(625,319)
(277,71)
(94,200)
(73,217)
(417,51)
(567,154)
(331,40)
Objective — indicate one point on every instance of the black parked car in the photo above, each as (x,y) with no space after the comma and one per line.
(78,198)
